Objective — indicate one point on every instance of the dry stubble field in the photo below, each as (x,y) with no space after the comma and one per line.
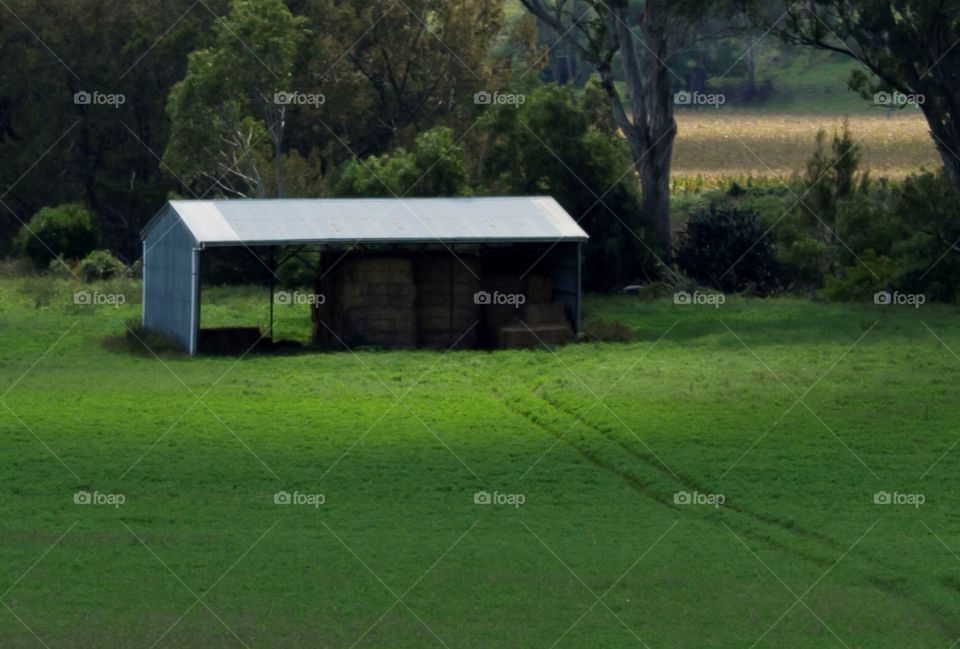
(722,143)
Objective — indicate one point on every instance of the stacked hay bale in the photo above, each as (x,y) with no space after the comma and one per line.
(539,321)
(374,302)
(445,308)
(497,313)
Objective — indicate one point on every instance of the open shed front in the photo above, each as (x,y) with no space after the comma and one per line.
(464,272)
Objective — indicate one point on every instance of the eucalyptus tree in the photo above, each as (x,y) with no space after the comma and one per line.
(635,41)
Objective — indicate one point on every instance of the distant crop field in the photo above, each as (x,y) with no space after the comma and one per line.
(719,144)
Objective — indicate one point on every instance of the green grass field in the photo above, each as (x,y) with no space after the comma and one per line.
(598,439)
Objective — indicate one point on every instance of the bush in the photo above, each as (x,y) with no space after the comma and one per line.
(100,264)
(67,231)
(729,249)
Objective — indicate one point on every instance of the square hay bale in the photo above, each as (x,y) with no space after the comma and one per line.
(373,302)
(545,313)
(539,289)
(513,337)
(229,341)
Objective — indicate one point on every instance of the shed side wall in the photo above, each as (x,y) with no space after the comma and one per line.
(169,295)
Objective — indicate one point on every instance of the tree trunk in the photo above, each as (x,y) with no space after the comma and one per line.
(654,168)
(947,140)
(751,72)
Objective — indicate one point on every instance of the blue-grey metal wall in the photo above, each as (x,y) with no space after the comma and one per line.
(170,281)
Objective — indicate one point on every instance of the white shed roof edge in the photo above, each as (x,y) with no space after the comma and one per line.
(227,222)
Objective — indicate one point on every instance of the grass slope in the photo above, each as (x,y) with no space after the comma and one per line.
(704,400)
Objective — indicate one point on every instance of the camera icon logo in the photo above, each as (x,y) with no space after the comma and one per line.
(482,297)
(282,297)
(482,498)
(882,297)
(82,498)
(882,498)
(682,297)
(483,98)
(83,298)
(282,498)
(882,98)
(682,98)
(82,98)
(283,98)
(682,498)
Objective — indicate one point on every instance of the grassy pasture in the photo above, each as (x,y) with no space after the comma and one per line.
(703,400)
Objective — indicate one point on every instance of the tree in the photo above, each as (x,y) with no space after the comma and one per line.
(54,149)
(549,146)
(394,69)
(66,231)
(910,47)
(435,167)
(234,97)
(605,33)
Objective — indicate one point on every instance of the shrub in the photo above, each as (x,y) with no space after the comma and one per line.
(66,230)
(61,267)
(729,249)
(100,264)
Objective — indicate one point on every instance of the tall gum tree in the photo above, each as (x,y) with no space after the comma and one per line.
(639,38)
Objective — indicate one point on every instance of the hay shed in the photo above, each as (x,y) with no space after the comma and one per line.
(431,272)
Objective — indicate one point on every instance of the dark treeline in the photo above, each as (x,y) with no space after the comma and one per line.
(113,107)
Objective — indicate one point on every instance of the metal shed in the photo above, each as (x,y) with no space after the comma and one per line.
(175,237)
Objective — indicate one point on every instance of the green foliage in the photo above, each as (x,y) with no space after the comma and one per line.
(435,167)
(67,231)
(729,249)
(809,244)
(549,146)
(227,126)
(101,264)
(929,258)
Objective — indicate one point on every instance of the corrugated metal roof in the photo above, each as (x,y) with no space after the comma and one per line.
(379,220)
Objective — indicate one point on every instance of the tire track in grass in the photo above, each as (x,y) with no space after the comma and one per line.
(870,567)
(690,483)
(635,483)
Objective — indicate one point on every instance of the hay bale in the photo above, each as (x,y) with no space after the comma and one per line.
(513,337)
(545,313)
(445,307)
(374,302)
(539,289)
(228,340)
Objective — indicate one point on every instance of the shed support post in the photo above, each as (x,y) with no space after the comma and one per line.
(194,300)
(579,298)
(273,275)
